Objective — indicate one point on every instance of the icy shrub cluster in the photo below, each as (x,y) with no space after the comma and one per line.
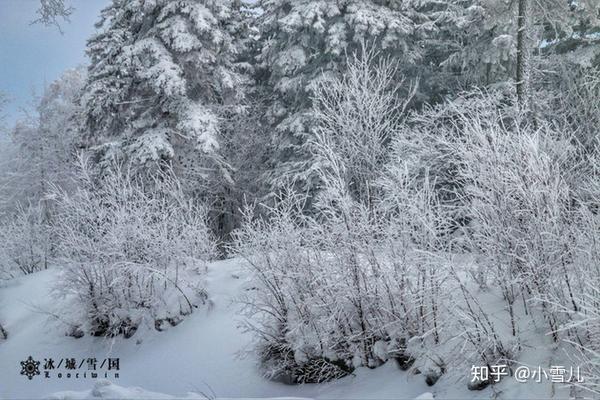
(352,283)
(24,242)
(337,293)
(132,251)
(371,273)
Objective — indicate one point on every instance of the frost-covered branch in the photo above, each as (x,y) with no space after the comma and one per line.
(53,13)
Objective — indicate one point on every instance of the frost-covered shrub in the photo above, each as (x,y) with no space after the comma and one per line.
(571,102)
(576,299)
(583,329)
(24,242)
(132,251)
(356,116)
(519,201)
(529,192)
(425,143)
(351,284)
(343,290)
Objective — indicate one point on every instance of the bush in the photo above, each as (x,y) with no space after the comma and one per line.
(347,289)
(24,242)
(367,276)
(131,251)
(352,283)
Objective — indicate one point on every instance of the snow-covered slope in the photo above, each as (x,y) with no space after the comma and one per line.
(204,356)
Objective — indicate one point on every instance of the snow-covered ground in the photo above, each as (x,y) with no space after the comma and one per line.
(204,356)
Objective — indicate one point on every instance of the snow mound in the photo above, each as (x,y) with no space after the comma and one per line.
(425,396)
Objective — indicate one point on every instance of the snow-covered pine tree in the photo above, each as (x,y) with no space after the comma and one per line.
(305,41)
(495,40)
(542,22)
(162,72)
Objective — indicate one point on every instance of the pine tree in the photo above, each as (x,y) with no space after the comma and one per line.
(162,73)
(497,41)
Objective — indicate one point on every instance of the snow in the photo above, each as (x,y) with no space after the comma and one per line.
(425,396)
(207,355)
(104,389)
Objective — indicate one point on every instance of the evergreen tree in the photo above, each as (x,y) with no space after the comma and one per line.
(494,41)
(162,73)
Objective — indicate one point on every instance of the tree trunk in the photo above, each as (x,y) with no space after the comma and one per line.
(523,57)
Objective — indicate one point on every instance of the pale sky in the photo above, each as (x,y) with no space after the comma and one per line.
(33,54)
